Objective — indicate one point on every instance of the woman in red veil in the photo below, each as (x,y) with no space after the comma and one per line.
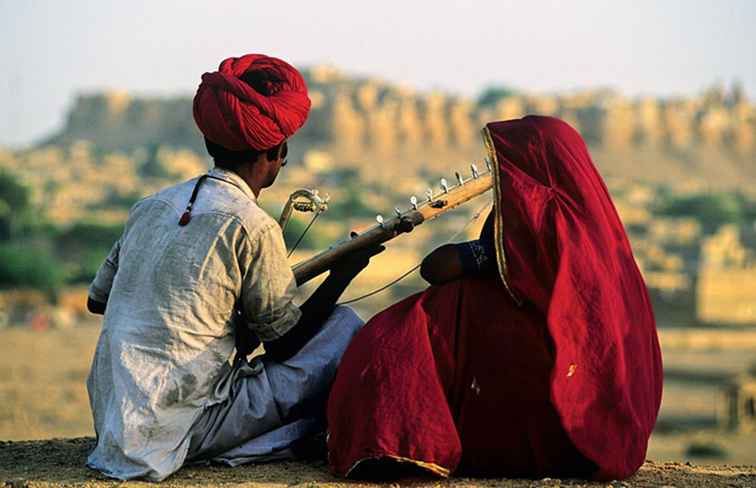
(547,365)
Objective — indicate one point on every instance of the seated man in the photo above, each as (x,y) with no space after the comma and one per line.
(199,270)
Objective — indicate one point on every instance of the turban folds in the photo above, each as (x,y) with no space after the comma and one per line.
(231,113)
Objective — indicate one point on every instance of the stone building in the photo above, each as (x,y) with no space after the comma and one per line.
(726,290)
(737,412)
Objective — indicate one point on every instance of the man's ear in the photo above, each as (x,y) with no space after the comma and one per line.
(273,154)
(278,152)
(262,158)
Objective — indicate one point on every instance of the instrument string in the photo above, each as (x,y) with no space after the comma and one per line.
(304,232)
(474,217)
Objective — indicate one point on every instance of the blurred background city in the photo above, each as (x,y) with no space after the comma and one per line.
(96,113)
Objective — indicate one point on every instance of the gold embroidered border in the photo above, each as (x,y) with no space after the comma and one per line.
(501,259)
(434,468)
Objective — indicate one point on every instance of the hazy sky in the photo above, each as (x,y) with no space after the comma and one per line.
(49,51)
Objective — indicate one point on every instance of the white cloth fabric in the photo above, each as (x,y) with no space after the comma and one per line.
(162,359)
(274,404)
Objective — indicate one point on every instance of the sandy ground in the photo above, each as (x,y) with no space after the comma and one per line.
(42,395)
(61,463)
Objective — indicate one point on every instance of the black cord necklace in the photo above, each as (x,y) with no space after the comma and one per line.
(187,215)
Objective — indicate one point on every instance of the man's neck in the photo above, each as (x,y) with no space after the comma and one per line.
(252,183)
(250,178)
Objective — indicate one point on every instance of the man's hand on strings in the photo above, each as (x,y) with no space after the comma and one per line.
(405,225)
(351,265)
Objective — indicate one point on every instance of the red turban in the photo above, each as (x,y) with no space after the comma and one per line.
(231,113)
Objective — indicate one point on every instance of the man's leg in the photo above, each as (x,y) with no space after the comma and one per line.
(280,404)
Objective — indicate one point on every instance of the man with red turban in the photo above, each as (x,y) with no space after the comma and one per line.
(253,102)
(201,270)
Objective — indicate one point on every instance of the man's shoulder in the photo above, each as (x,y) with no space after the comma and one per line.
(176,195)
(255,220)
(215,199)
(229,200)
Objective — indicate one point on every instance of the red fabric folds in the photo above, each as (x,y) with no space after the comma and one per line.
(231,113)
(556,370)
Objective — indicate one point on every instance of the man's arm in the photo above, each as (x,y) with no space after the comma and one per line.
(99,290)
(96,307)
(320,305)
(269,288)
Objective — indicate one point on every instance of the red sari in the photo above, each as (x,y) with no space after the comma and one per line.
(552,368)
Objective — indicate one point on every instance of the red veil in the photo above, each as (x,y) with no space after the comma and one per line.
(555,364)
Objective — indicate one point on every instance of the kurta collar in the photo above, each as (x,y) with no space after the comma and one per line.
(234,179)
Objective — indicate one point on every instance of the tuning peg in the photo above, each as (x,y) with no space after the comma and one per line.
(379,219)
(488,165)
(460,180)
(413,202)
(397,212)
(474,170)
(429,194)
(445,185)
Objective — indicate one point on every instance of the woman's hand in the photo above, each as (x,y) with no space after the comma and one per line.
(352,264)
(442,265)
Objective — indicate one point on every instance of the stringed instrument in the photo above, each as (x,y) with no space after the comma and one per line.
(433,205)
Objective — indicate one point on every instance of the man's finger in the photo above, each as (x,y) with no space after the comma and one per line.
(372,251)
(405,225)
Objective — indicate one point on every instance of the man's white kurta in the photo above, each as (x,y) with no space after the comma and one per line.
(167,336)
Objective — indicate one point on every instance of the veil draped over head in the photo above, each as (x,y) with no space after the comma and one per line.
(562,247)
(510,375)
